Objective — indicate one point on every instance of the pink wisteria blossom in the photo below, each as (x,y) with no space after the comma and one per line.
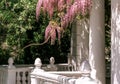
(67,11)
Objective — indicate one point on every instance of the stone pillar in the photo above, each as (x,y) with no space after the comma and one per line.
(11,72)
(37,70)
(97,41)
(115,42)
(80,41)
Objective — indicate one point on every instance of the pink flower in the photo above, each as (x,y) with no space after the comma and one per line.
(61,4)
(38,6)
(69,8)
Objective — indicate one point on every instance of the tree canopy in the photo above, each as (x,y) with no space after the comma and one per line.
(18,28)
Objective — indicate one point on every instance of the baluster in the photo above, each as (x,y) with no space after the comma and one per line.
(28,81)
(21,75)
(24,78)
(18,78)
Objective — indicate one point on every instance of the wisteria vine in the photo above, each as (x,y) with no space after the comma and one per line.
(67,11)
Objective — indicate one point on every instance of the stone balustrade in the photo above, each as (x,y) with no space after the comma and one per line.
(41,74)
(12,75)
(20,74)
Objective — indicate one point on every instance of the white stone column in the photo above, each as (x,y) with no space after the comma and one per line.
(97,41)
(80,41)
(115,42)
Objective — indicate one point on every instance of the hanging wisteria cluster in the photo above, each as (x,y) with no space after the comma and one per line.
(67,10)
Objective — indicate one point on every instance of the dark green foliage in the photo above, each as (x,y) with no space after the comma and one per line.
(18,28)
(107,29)
(108,39)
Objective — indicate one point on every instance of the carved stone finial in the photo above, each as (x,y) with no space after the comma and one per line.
(52,60)
(10,63)
(52,66)
(38,63)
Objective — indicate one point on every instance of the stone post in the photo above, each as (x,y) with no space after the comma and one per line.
(36,70)
(115,42)
(97,41)
(11,73)
(52,66)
